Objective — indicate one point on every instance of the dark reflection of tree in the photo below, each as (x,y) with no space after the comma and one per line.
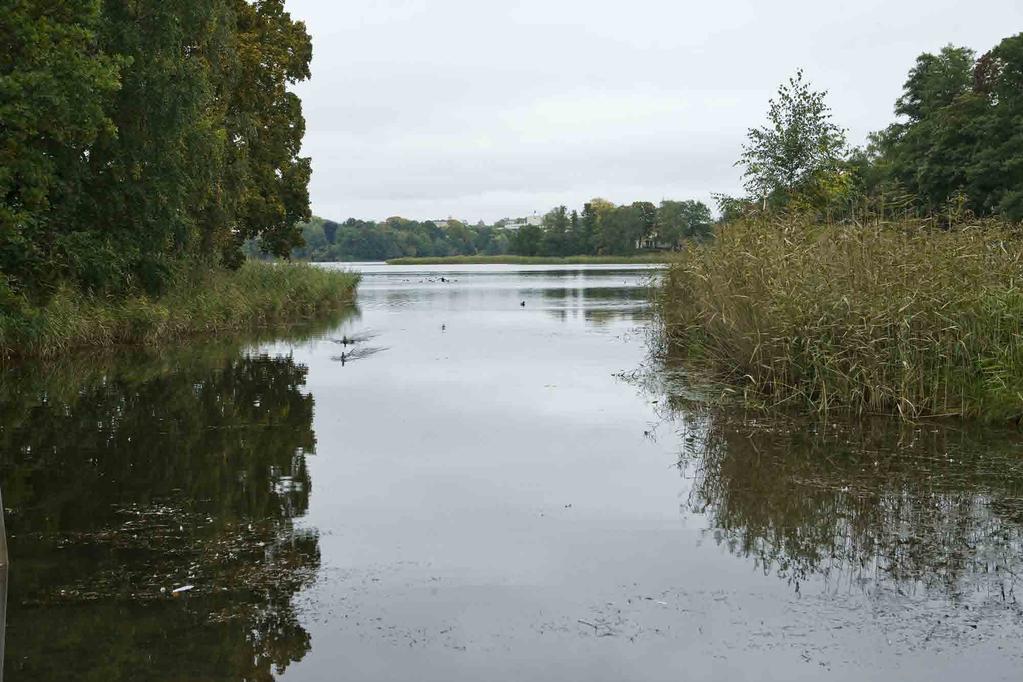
(127,479)
(876,504)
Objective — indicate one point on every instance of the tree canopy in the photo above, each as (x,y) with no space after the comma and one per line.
(601,228)
(800,147)
(956,147)
(136,136)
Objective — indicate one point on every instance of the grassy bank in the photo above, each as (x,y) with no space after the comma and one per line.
(199,303)
(534,260)
(900,320)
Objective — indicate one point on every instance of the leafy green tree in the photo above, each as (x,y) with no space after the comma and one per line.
(681,220)
(935,82)
(997,168)
(266,120)
(622,228)
(527,241)
(595,213)
(799,147)
(959,136)
(556,237)
(330,229)
(139,135)
(55,87)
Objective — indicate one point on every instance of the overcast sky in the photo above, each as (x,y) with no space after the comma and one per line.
(481,109)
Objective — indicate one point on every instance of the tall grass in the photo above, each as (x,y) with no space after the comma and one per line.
(198,302)
(533,260)
(890,319)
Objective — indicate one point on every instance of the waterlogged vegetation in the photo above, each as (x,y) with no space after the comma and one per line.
(877,281)
(197,302)
(888,319)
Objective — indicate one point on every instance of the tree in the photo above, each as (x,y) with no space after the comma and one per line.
(622,228)
(556,237)
(996,168)
(935,82)
(799,146)
(959,136)
(330,229)
(266,119)
(646,213)
(137,135)
(55,87)
(680,220)
(595,212)
(527,241)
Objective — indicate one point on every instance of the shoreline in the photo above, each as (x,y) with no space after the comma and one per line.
(205,304)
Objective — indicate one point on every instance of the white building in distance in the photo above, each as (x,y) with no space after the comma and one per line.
(519,223)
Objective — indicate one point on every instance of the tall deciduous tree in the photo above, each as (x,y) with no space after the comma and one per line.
(139,134)
(267,126)
(679,220)
(800,145)
(55,86)
(961,133)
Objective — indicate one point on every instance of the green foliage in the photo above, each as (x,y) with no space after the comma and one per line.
(905,319)
(274,52)
(956,150)
(139,134)
(681,220)
(799,148)
(358,240)
(527,241)
(197,301)
(56,84)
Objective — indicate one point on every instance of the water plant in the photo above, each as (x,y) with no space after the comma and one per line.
(906,319)
(198,302)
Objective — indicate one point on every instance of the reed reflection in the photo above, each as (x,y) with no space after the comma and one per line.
(930,510)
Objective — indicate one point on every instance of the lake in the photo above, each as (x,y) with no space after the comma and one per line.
(482,473)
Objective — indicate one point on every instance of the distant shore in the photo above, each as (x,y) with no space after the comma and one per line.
(536,260)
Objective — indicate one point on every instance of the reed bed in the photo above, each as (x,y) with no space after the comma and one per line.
(200,302)
(900,319)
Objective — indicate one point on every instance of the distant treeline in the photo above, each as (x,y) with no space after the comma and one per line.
(600,229)
(138,137)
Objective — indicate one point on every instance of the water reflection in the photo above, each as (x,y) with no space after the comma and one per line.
(596,296)
(931,511)
(598,306)
(125,480)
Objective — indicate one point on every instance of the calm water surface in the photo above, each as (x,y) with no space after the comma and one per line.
(485,490)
